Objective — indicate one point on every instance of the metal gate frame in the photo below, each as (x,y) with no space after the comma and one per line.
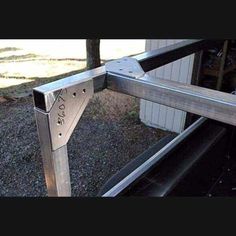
(60,104)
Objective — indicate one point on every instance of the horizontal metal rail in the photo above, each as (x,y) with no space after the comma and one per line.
(44,96)
(153,160)
(201,101)
(153,59)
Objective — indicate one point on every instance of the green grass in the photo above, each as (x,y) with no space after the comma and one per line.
(18,57)
(25,89)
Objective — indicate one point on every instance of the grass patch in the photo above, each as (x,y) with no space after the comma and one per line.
(25,89)
(7,49)
(17,57)
(132,115)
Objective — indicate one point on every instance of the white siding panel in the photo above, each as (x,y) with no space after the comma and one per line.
(157,115)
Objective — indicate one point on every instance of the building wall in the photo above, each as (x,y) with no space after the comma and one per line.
(159,116)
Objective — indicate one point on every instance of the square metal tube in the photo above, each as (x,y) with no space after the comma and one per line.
(205,102)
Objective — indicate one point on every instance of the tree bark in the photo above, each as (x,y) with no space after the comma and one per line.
(93,53)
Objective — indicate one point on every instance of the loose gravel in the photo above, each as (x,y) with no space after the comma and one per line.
(108,136)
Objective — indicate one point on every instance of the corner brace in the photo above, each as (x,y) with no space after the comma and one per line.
(126,66)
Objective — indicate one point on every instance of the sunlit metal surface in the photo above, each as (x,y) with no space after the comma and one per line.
(201,101)
(118,188)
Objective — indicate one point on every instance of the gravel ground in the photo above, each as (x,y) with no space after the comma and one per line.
(108,135)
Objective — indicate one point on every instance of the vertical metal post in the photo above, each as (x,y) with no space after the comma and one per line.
(55,163)
(195,80)
(197,67)
(58,108)
(222,65)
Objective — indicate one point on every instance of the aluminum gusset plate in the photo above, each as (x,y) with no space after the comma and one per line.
(126,66)
(67,110)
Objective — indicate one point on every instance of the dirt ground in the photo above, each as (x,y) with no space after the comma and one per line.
(108,136)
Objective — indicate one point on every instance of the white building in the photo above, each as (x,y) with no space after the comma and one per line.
(159,116)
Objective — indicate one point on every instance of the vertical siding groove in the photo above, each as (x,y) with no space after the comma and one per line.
(157,115)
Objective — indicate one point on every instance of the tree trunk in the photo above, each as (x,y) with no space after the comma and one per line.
(93,53)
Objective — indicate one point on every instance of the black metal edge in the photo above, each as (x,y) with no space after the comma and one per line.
(39,100)
(158,163)
(164,188)
(156,58)
(135,163)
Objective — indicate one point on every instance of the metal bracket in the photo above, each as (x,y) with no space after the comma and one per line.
(58,107)
(125,66)
(67,110)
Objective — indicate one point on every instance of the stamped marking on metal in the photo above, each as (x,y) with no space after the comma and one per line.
(61,104)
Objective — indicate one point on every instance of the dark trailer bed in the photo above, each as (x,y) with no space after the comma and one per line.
(199,164)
